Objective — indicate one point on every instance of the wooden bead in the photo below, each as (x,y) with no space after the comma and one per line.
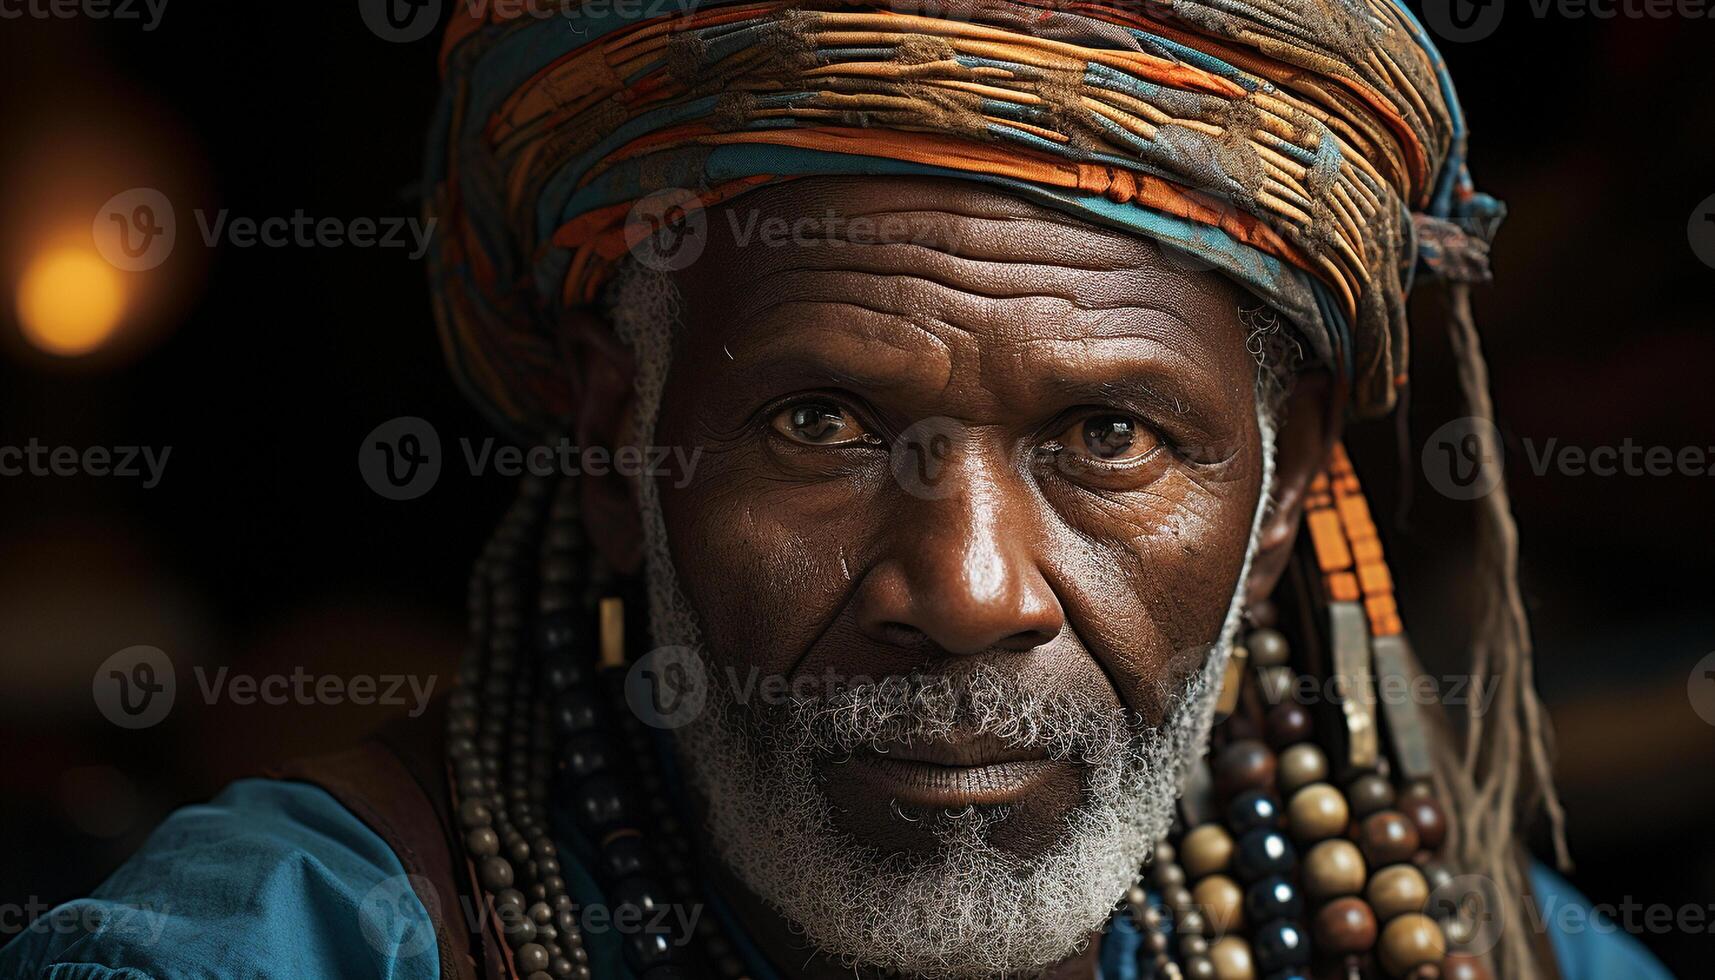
(1317,812)
(1396,890)
(1244,764)
(1192,925)
(1178,899)
(1429,818)
(1387,837)
(1222,902)
(1287,724)
(1408,942)
(1263,613)
(1206,850)
(1345,927)
(1167,875)
(1268,648)
(1301,765)
(1232,959)
(1242,726)
(1333,868)
(1438,875)
(1275,683)
(1199,968)
(1463,966)
(1368,794)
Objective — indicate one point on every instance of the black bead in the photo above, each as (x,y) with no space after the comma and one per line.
(588,754)
(636,898)
(564,670)
(646,948)
(559,632)
(1251,810)
(1280,945)
(520,931)
(626,857)
(1273,898)
(576,711)
(1262,853)
(600,805)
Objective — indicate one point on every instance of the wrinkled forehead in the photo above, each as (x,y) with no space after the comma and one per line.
(960,243)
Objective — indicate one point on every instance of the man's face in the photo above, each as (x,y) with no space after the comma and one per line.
(996,445)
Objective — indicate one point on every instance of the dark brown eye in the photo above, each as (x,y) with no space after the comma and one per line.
(819,424)
(1109,436)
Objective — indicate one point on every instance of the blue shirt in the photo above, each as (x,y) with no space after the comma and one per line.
(277,881)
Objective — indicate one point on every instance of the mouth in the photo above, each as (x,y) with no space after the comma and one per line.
(954,775)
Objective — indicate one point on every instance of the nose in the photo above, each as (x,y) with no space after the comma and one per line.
(962,571)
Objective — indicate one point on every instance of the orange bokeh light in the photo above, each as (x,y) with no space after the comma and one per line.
(70,301)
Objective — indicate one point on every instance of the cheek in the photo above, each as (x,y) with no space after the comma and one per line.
(1150,582)
(766,565)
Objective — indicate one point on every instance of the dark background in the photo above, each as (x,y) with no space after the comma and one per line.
(263,549)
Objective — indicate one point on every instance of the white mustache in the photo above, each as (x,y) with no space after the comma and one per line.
(922,708)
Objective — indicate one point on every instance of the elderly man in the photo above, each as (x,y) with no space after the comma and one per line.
(1012,342)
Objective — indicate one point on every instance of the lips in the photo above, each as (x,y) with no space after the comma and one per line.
(953,775)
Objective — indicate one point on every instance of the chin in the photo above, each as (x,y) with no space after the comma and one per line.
(990,870)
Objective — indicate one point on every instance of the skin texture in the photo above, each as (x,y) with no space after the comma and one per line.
(902,460)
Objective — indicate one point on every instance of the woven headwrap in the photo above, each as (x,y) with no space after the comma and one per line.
(1314,152)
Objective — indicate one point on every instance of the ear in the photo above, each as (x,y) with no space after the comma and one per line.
(603,372)
(1308,425)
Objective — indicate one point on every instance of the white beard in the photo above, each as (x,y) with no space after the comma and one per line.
(967,909)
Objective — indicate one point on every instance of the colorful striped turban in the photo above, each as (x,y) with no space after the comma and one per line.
(1314,152)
